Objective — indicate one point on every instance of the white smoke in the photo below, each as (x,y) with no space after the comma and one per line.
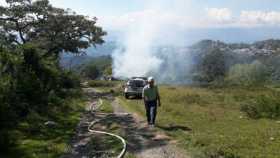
(136,58)
(141,50)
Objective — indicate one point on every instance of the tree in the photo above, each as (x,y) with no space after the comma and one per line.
(108,71)
(91,72)
(39,32)
(213,65)
(252,74)
(32,36)
(52,29)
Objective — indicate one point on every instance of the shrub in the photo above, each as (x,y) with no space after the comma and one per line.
(91,72)
(30,85)
(96,83)
(263,107)
(213,66)
(69,80)
(255,73)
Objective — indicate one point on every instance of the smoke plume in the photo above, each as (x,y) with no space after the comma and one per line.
(153,45)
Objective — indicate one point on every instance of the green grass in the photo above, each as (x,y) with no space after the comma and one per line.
(106,107)
(218,127)
(35,140)
(114,87)
(103,84)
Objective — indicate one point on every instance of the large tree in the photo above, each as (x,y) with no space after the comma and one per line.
(52,29)
(213,65)
(32,35)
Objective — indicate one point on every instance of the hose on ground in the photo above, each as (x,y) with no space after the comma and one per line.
(93,109)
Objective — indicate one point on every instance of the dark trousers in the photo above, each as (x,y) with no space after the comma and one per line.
(151,111)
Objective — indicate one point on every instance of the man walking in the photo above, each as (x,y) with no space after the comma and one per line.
(151,100)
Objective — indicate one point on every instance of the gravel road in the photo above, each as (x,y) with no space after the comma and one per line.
(142,141)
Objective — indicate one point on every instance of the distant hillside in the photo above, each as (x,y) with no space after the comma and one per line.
(69,62)
(101,62)
(267,47)
(187,61)
(102,50)
(261,48)
(92,53)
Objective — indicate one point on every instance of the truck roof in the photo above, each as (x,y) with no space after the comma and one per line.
(139,78)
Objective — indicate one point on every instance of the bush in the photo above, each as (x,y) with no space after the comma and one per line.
(212,67)
(69,80)
(91,72)
(100,83)
(255,73)
(263,107)
(30,84)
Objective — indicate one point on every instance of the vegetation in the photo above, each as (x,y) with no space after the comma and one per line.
(114,87)
(252,74)
(34,139)
(41,102)
(106,107)
(102,84)
(263,107)
(212,66)
(210,122)
(236,64)
(33,87)
(96,68)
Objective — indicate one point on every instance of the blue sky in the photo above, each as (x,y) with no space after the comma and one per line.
(225,15)
(101,7)
(118,7)
(251,20)
(195,12)
(266,12)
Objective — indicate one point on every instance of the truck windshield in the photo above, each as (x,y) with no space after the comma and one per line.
(136,83)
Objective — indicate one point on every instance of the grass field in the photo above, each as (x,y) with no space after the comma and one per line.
(35,140)
(208,122)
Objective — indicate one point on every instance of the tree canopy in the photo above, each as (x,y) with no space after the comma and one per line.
(33,34)
(52,29)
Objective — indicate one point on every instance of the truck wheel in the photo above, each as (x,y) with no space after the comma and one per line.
(126,96)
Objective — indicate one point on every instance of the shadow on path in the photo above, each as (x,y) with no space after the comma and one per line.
(172,128)
(138,137)
(142,141)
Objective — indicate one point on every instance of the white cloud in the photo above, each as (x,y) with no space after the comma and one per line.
(219,14)
(179,17)
(223,17)
(148,16)
(3,3)
(213,17)
(181,14)
(259,18)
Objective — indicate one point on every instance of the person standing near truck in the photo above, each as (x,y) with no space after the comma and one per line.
(151,100)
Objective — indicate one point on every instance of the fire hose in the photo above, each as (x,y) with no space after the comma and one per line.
(93,109)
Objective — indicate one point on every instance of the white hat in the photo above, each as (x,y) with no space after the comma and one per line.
(150,79)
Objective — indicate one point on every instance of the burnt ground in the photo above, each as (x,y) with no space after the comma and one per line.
(142,141)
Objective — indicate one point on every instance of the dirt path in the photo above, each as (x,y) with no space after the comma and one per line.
(80,142)
(145,142)
(142,141)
